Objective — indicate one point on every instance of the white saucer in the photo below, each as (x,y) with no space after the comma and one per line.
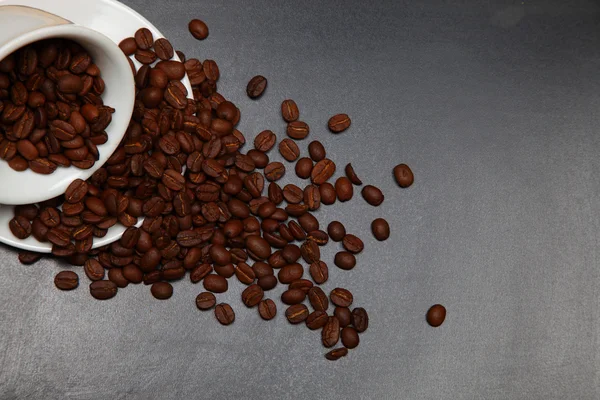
(114,20)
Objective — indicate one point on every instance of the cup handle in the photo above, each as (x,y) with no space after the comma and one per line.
(16,21)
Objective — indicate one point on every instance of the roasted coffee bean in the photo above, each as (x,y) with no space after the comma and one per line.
(298,130)
(360,319)
(344,260)
(76,191)
(103,290)
(274,171)
(29,211)
(322,171)
(18,163)
(336,231)
(317,320)
(343,315)
(29,257)
(20,227)
(343,189)
(275,193)
(380,229)
(290,273)
(143,38)
(265,141)
(350,337)
(205,301)
(42,166)
(66,280)
(27,150)
(198,29)
(258,247)
(336,354)
(226,271)
(215,283)
(310,251)
(297,313)
(318,299)
(161,290)
(245,273)
(291,253)
(304,167)
(289,110)
(256,86)
(352,175)
(261,269)
(330,334)
(163,49)
(341,297)
(224,314)
(289,149)
(200,272)
(132,273)
(267,309)
(69,84)
(403,175)
(297,230)
(319,272)
(116,275)
(339,123)
(252,295)
(292,194)
(436,315)
(267,282)
(316,151)
(293,296)
(372,195)
(308,222)
(318,236)
(353,244)
(303,284)
(259,158)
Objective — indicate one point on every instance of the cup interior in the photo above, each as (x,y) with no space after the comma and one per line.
(30,187)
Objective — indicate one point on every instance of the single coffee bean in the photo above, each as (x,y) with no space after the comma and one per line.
(304,167)
(318,299)
(341,297)
(143,38)
(29,257)
(289,110)
(200,272)
(290,273)
(161,290)
(93,269)
(336,231)
(360,319)
(256,87)
(267,282)
(380,229)
(339,123)
(258,247)
(296,313)
(352,175)
(322,171)
(245,273)
(317,320)
(132,273)
(310,251)
(128,46)
(312,197)
(293,296)
(303,284)
(274,171)
(66,280)
(163,49)
(265,141)
(259,158)
(69,84)
(267,309)
(336,354)
(403,175)
(298,130)
(20,227)
(76,191)
(215,283)
(353,244)
(252,295)
(350,337)
(116,275)
(103,290)
(289,149)
(330,334)
(308,222)
(436,315)
(343,189)
(327,192)
(316,151)
(224,314)
(292,194)
(205,301)
(261,269)
(343,315)
(372,195)
(198,29)
(319,272)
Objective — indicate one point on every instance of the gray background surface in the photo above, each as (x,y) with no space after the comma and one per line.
(494,105)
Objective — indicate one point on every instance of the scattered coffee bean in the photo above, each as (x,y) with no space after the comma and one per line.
(403,175)
(162,290)
(318,299)
(289,149)
(343,315)
(289,111)
(256,87)
(336,354)
(94,270)
(298,130)
(349,170)
(380,229)
(328,195)
(322,171)
(28,257)
(293,296)
(344,260)
(316,320)
(319,272)
(252,295)
(267,309)
(343,189)
(349,337)
(436,315)
(103,290)
(205,301)
(372,195)
(224,314)
(360,319)
(296,313)
(339,123)
(304,167)
(330,334)
(341,297)
(353,244)
(198,29)
(66,280)
(336,231)
(265,141)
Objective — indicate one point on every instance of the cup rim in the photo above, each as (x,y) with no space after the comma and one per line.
(75,32)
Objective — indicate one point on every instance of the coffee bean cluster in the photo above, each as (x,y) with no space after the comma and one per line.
(208,210)
(51,110)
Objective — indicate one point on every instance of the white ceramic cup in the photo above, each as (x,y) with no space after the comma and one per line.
(20,26)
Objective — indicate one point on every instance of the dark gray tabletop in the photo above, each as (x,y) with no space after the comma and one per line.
(494,105)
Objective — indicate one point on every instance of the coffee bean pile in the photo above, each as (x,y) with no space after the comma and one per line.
(208,210)
(51,107)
